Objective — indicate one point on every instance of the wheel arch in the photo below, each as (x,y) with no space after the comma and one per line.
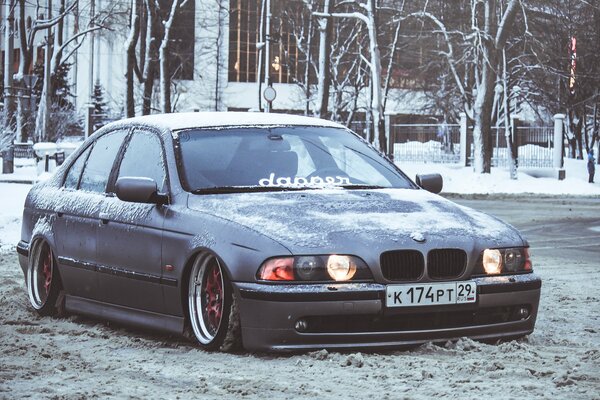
(185,275)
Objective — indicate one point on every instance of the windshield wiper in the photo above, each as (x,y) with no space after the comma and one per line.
(247,189)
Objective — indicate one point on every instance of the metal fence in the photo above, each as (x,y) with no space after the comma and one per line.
(440,143)
(436,143)
(534,146)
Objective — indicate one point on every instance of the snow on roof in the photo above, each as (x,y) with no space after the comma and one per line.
(177,121)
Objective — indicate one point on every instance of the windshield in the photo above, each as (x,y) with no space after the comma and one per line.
(278,158)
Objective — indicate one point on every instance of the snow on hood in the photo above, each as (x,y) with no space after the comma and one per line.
(327,217)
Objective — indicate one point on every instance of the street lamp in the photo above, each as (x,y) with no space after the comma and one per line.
(498,89)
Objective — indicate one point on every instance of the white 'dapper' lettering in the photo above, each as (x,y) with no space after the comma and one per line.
(315,181)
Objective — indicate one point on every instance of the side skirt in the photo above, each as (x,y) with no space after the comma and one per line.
(124,315)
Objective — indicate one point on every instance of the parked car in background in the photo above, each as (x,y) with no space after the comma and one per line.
(271,232)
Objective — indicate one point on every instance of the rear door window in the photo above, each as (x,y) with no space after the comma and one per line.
(100,162)
(72,179)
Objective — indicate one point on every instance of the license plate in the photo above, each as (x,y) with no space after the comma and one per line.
(431,294)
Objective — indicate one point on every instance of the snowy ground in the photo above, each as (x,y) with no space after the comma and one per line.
(74,357)
(462,180)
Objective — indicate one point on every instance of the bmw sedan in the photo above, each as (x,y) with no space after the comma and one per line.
(271,232)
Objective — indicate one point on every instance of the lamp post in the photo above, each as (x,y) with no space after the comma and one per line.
(498,89)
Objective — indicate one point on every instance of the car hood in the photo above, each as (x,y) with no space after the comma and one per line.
(349,221)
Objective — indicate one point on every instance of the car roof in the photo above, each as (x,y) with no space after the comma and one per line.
(179,121)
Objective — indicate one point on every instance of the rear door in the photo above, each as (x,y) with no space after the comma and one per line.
(78,215)
(130,235)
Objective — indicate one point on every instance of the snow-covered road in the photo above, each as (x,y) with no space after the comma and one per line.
(76,357)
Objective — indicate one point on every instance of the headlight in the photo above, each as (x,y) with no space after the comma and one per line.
(503,261)
(492,261)
(341,268)
(319,268)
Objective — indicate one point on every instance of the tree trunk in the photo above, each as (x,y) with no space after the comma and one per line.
(43,115)
(379,136)
(131,59)
(509,128)
(486,59)
(9,104)
(165,76)
(151,56)
(24,65)
(323,81)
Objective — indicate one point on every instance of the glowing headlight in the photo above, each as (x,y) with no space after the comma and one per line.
(340,268)
(492,261)
(512,260)
(314,268)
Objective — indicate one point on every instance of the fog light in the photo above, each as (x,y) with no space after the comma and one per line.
(301,325)
(523,313)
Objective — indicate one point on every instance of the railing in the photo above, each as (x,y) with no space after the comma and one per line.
(24,150)
(534,143)
(436,143)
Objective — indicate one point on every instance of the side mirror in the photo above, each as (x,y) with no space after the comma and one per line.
(139,190)
(431,182)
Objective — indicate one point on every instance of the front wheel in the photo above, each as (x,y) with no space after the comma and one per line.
(212,306)
(43,282)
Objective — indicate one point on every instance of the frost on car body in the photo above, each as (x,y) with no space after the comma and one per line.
(274,232)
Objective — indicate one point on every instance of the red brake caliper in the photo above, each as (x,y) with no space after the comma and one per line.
(48,271)
(214,297)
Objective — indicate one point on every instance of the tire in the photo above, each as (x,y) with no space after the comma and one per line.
(212,306)
(43,280)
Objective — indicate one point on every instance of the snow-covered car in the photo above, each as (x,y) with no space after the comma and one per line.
(277,232)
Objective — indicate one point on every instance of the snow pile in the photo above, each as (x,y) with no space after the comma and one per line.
(431,150)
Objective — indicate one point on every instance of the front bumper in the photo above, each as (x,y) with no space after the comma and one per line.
(339,316)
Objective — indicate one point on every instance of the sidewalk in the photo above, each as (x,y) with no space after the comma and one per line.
(25,172)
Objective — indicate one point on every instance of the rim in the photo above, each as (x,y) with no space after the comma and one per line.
(206,298)
(40,275)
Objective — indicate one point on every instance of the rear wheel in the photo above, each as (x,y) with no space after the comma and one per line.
(43,282)
(213,312)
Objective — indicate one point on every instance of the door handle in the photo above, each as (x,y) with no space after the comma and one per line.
(104,218)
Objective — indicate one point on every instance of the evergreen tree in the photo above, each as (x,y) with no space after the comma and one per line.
(99,118)
(60,90)
(64,120)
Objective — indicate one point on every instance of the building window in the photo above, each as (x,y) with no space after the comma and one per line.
(244,28)
(182,41)
(244,34)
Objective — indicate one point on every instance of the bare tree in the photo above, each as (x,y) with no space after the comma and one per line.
(487,37)
(165,77)
(131,63)
(56,55)
(367,13)
(323,74)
